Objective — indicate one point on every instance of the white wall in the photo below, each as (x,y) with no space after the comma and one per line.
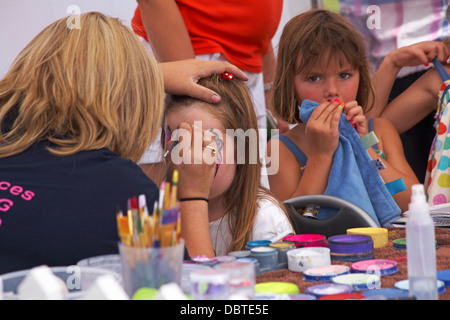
(22,20)
(291,8)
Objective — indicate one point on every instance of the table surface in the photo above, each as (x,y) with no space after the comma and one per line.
(442,263)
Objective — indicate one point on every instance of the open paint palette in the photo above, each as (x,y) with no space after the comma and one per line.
(379,267)
(324,273)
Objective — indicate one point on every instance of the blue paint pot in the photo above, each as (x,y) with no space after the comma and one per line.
(267,257)
(240,254)
(257,243)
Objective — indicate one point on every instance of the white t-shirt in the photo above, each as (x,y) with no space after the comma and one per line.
(271,223)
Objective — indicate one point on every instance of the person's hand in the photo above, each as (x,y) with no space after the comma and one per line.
(419,53)
(355,115)
(194,157)
(181,77)
(322,128)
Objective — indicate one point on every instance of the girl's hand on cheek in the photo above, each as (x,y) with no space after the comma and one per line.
(195,161)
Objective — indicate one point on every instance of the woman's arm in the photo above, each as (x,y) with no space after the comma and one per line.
(166,30)
(415,103)
(413,55)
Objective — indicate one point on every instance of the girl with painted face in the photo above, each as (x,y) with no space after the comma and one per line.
(235,208)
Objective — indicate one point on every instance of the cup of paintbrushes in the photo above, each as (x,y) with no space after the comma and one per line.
(151,267)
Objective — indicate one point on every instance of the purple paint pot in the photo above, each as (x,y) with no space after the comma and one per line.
(351,247)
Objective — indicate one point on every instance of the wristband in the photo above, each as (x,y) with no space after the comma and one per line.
(194,199)
(396,186)
(369,139)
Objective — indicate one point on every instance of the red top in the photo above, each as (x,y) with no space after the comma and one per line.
(241,30)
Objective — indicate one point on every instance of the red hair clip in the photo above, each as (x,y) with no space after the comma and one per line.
(227,76)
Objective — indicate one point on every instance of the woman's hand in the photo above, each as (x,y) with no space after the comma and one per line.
(419,53)
(181,77)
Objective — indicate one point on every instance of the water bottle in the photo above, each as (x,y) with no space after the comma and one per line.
(421,247)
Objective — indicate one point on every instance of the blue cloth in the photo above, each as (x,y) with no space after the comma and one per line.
(353,177)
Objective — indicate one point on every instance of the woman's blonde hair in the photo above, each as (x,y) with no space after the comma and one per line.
(317,36)
(235,111)
(82,89)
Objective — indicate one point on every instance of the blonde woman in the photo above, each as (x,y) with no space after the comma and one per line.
(77,110)
(239,208)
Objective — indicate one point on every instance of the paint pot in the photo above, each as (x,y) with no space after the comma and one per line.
(343,296)
(209,285)
(351,247)
(379,267)
(404,285)
(307,240)
(240,254)
(302,259)
(400,244)
(321,290)
(257,243)
(267,257)
(325,273)
(302,296)
(211,262)
(271,296)
(378,235)
(283,248)
(277,287)
(225,259)
(444,276)
(241,278)
(359,281)
(386,293)
(254,261)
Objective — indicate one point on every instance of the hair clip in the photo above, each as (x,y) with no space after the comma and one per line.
(227,76)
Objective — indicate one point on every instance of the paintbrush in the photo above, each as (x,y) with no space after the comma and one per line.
(170,148)
(173,200)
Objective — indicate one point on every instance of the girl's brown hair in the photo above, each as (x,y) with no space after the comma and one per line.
(315,37)
(82,89)
(235,111)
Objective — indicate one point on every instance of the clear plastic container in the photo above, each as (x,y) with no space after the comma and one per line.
(421,248)
(77,279)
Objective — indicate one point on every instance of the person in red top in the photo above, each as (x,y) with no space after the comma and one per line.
(237,31)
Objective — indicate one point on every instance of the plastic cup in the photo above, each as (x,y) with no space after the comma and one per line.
(151,267)
(242,278)
(209,285)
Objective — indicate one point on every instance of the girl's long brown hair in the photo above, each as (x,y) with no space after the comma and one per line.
(82,89)
(315,37)
(235,111)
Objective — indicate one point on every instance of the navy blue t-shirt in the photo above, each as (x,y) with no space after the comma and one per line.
(59,210)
